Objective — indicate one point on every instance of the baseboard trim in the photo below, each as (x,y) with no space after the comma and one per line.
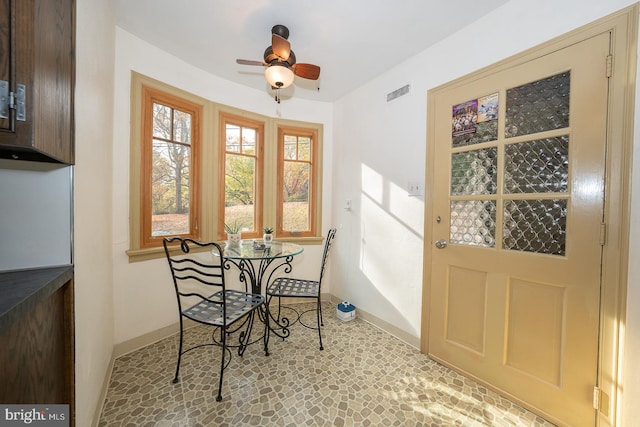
(134,344)
(137,343)
(103,392)
(387,327)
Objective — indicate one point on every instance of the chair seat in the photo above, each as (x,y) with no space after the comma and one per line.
(238,304)
(290,287)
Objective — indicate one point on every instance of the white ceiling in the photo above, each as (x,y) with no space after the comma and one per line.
(352,41)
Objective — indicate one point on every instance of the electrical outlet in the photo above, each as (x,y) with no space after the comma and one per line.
(414,188)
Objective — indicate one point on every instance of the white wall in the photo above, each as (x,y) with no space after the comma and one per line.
(95,43)
(379,147)
(144,300)
(35,209)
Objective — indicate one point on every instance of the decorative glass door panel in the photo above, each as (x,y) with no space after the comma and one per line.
(531,168)
(538,106)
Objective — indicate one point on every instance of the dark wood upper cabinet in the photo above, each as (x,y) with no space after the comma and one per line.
(37,78)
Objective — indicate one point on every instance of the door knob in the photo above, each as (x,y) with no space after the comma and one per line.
(441,244)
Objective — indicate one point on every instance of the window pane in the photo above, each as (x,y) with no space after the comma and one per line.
(474,172)
(239,197)
(538,106)
(475,121)
(538,166)
(182,127)
(538,226)
(248,141)
(290,147)
(296,196)
(233,138)
(170,192)
(161,121)
(473,223)
(304,148)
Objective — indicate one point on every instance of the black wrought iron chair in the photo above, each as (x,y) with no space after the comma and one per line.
(289,287)
(199,279)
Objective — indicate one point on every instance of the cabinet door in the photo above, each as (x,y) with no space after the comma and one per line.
(5,55)
(38,39)
(53,77)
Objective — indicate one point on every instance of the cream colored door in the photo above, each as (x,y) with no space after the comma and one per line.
(518,199)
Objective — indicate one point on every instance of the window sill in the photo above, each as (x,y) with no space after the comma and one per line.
(146,254)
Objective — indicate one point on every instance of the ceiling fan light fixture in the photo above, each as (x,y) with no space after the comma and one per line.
(279,76)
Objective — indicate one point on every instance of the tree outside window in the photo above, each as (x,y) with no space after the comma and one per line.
(171,177)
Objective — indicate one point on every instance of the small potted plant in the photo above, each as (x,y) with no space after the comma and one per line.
(268,234)
(233,233)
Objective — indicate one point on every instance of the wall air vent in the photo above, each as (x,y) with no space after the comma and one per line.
(398,93)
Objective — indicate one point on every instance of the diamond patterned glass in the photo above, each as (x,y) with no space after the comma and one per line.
(539,166)
(473,222)
(474,172)
(535,226)
(485,132)
(538,106)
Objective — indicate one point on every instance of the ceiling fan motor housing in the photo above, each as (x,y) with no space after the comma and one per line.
(280,30)
(270,57)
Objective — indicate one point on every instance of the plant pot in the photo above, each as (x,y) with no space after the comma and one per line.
(234,239)
(267,237)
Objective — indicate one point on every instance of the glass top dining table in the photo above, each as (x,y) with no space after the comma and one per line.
(257,262)
(257,250)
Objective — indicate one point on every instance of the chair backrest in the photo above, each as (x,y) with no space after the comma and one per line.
(327,245)
(196,272)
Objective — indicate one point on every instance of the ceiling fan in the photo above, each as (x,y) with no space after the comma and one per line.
(281,62)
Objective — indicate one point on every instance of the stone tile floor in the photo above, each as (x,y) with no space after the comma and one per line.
(364,377)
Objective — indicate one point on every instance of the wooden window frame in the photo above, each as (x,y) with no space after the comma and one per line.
(314,177)
(258,126)
(149,97)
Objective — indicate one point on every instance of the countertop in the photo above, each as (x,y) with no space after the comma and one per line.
(21,290)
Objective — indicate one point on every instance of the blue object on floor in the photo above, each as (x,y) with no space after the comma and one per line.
(346,311)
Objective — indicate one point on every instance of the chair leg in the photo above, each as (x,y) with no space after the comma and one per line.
(319,315)
(266,330)
(175,379)
(279,312)
(267,316)
(224,353)
(245,336)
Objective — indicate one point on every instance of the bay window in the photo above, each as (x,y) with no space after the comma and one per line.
(196,165)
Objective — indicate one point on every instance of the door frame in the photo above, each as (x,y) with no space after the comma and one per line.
(624,28)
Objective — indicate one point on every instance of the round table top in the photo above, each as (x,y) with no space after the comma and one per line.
(256,249)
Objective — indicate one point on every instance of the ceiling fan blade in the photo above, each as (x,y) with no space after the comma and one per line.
(249,62)
(306,71)
(281,46)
